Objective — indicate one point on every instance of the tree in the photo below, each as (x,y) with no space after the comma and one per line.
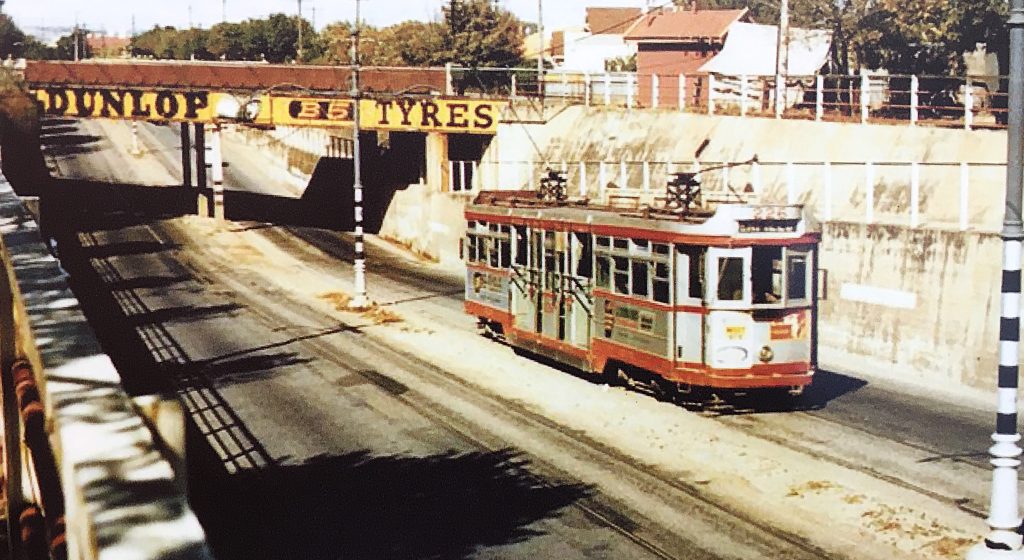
(12,39)
(227,41)
(66,46)
(477,33)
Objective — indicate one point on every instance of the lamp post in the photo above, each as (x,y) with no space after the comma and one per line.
(540,49)
(298,22)
(359,299)
(1004,538)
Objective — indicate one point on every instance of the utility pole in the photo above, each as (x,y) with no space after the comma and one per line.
(359,299)
(298,22)
(1004,539)
(782,59)
(224,11)
(540,49)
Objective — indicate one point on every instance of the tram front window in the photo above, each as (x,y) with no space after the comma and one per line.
(766,274)
(730,279)
(796,272)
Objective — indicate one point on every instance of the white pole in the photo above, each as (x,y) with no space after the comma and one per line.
(827,172)
(914,85)
(964,180)
(819,96)
(623,176)
(755,177)
(915,194)
(217,171)
(586,89)
(583,179)
(682,92)
(725,177)
(472,175)
(780,92)
(647,176)
(515,85)
(865,93)
(869,199)
(607,89)
(451,176)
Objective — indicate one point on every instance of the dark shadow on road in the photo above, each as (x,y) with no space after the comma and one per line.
(146,283)
(185,313)
(361,506)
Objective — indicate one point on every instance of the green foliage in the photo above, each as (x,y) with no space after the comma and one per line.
(170,43)
(411,43)
(479,34)
(621,64)
(66,46)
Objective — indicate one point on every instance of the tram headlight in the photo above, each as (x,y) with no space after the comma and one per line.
(767,354)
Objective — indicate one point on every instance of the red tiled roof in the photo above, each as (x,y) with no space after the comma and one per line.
(684,25)
(611,21)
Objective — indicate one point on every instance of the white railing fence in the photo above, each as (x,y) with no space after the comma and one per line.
(956,195)
(958,101)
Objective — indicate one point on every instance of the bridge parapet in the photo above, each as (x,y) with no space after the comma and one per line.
(80,452)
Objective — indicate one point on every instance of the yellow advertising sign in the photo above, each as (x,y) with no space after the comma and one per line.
(403,113)
(129,103)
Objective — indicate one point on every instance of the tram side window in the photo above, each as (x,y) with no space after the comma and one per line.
(730,278)
(661,283)
(621,275)
(641,277)
(471,242)
(695,273)
(522,244)
(766,274)
(585,256)
(492,252)
(604,271)
(796,273)
(505,248)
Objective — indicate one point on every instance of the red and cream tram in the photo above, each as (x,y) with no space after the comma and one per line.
(721,299)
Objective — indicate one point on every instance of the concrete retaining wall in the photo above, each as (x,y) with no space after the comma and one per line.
(919,305)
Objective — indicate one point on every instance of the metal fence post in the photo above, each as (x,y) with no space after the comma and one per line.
(780,94)
(586,89)
(655,85)
(865,94)
(682,92)
(743,95)
(629,91)
(515,84)
(607,89)
(964,181)
(915,194)
(913,99)
(968,104)
(819,90)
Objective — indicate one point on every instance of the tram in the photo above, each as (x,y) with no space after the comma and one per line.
(679,296)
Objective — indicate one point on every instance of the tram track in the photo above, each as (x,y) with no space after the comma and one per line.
(677,496)
(757,427)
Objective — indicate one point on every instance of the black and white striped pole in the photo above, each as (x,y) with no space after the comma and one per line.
(1004,538)
(359,298)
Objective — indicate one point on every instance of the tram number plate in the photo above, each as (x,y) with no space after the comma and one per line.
(770,213)
(735,332)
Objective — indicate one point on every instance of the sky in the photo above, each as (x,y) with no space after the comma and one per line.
(115,16)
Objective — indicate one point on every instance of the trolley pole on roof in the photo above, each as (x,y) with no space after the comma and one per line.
(1004,538)
(359,299)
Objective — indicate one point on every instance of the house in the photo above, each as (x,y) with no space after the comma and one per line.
(674,42)
(588,49)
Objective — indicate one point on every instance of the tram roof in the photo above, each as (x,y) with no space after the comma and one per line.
(740,220)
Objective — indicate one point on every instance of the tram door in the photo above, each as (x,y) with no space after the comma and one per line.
(552,310)
(577,289)
(526,279)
